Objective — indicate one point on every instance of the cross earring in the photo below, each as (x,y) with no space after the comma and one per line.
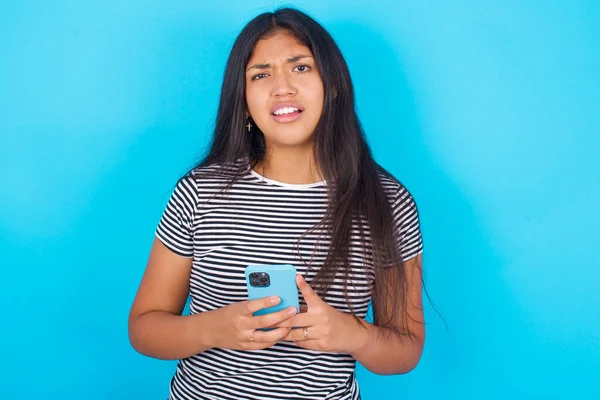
(249,124)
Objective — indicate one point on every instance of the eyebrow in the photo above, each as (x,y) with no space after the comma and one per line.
(289,60)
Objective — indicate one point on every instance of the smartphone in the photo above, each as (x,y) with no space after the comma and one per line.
(273,280)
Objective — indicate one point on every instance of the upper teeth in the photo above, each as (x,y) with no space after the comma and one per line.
(285,110)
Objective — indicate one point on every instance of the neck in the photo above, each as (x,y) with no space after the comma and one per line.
(290,166)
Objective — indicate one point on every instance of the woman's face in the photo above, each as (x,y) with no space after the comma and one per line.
(284,91)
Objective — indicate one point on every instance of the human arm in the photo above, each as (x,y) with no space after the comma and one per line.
(157,328)
(380,350)
(384,351)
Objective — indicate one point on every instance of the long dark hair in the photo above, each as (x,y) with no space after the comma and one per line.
(355,190)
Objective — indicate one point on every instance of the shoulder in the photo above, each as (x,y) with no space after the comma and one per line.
(212,175)
(393,187)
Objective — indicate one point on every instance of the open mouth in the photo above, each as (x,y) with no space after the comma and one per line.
(287,114)
(287,111)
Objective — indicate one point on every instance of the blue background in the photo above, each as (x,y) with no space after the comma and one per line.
(488,111)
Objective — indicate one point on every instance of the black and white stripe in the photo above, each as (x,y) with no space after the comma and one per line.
(259,221)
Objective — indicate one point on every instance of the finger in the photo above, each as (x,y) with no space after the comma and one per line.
(257,345)
(260,346)
(270,336)
(310,297)
(252,306)
(297,335)
(268,320)
(299,320)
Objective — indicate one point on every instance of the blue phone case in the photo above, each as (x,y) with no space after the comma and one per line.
(282,284)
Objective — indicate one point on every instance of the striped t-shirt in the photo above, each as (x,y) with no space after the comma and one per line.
(259,221)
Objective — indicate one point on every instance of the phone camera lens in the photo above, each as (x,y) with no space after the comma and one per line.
(263,279)
(254,282)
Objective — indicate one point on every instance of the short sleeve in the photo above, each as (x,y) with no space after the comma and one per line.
(406,222)
(175,228)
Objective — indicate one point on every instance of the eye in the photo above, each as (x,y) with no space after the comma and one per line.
(258,76)
(302,68)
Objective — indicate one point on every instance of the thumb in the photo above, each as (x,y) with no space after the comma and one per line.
(310,297)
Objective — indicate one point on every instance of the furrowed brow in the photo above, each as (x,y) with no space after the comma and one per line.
(289,60)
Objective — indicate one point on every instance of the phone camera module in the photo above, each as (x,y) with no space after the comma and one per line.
(265,280)
(260,279)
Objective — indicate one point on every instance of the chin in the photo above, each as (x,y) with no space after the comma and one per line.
(289,139)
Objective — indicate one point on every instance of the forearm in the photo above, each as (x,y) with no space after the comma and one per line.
(384,352)
(167,336)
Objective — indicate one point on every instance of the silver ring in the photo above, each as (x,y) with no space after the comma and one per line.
(305,332)
(251,337)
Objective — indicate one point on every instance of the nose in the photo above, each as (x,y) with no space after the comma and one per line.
(282,86)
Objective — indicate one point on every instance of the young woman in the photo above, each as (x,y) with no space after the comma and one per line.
(289,179)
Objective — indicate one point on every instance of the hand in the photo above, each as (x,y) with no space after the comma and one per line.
(327,328)
(236,327)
